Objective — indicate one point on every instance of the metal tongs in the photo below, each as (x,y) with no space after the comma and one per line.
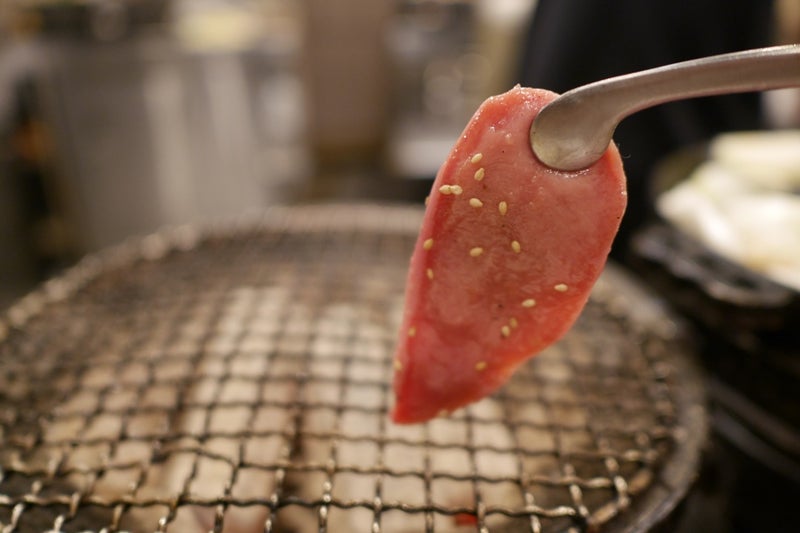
(574,130)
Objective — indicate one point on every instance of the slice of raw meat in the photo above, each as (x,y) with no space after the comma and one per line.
(508,252)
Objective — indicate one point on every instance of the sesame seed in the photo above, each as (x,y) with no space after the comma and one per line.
(476,158)
(456,189)
(445,189)
(561,287)
(474,202)
(506,331)
(412,331)
(398,365)
(475,252)
(479,174)
(530,302)
(427,199)
(502,207)
(428,244)
(480,366)
(429,273)
(513,322)
(516,246)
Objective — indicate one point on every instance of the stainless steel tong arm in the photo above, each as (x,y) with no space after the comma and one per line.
(574,130)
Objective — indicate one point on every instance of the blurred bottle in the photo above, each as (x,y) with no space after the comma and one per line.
(347,74)
(782,107)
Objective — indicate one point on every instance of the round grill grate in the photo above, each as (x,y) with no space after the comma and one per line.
(238,380)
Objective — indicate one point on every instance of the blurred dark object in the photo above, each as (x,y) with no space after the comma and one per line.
(751,330)
(737,494)
(751,474)
(94,20)
(33,240)
(720,293)
(574,42)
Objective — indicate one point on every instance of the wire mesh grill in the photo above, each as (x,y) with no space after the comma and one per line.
(239,380)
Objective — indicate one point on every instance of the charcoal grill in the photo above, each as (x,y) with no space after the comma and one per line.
(237,378)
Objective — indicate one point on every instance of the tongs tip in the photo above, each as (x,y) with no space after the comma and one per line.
(560,148)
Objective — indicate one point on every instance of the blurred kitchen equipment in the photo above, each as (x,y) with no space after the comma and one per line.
(573,131)
(446,57)
(252,367)
(437,74)
(154,125)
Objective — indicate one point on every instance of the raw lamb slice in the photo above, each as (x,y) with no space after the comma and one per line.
(508,252)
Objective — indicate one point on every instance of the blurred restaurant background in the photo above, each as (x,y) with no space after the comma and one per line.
(119,118)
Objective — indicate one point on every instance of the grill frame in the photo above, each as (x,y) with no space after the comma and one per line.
(631,511)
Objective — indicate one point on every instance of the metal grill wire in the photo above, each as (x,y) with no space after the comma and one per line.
(241,382)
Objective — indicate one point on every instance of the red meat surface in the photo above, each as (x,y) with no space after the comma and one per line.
(507,255)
